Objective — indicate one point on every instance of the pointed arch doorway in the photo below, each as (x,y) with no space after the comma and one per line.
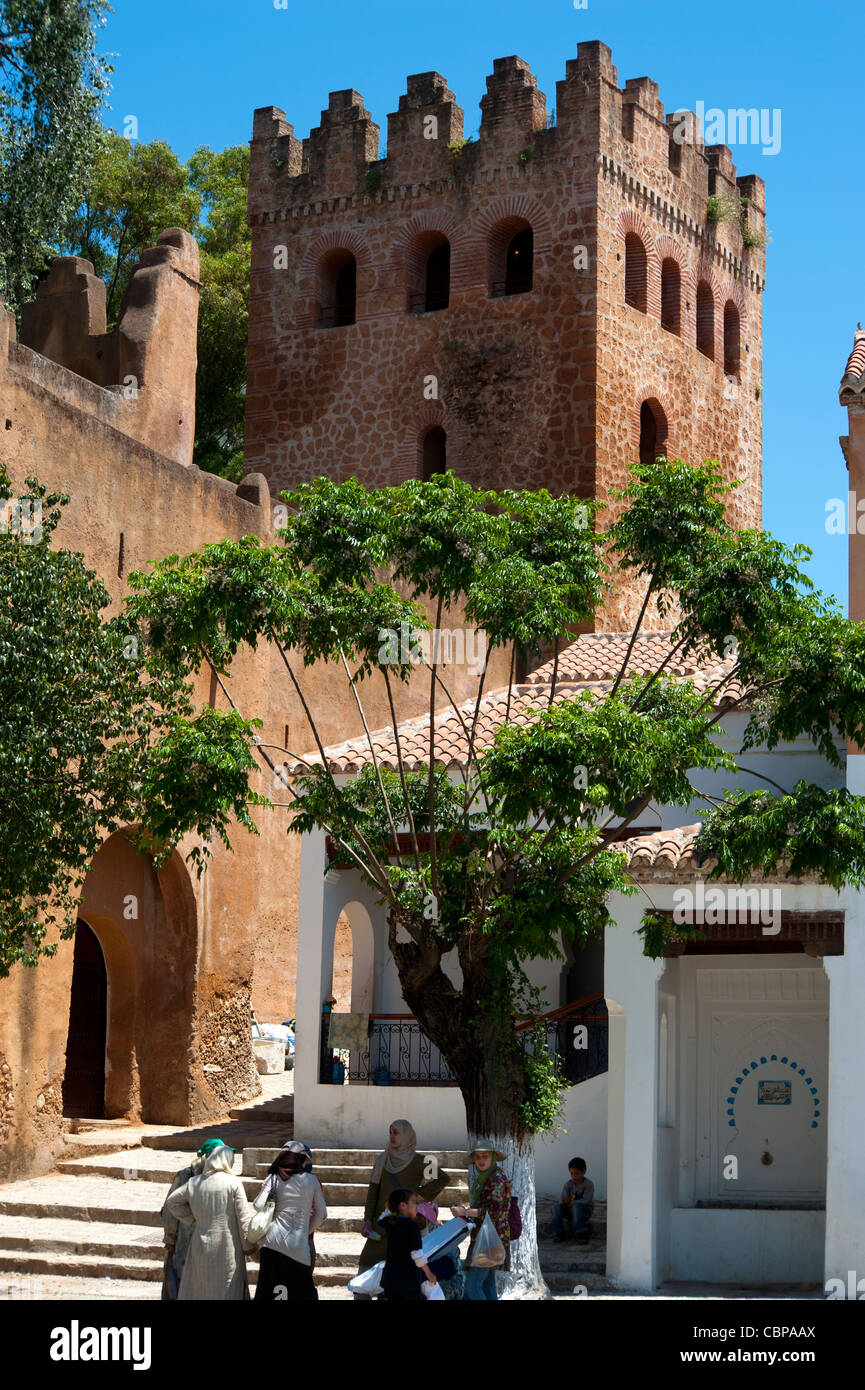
(84,1078)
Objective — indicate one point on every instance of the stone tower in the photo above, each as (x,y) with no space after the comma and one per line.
(534,308)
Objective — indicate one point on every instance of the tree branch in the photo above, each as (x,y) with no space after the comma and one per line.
(640,617)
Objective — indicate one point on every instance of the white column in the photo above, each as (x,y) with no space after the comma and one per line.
(845,1164)
(631,989)
(314,971)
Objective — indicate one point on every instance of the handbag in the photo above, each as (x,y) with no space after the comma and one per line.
(261,1223)
(515,1219)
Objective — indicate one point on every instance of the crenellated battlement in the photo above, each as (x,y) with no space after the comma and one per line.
(149,360)
(593,114)
(536,306)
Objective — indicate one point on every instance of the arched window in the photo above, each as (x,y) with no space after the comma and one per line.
(731,339)
(653,432)
(512,253)
(706,320)
(671,296)
(337,290)
(635,272)
(438,278)
(428,274)
(433,452)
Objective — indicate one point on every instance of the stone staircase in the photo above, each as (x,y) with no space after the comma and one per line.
(92,1229)
(573,1263)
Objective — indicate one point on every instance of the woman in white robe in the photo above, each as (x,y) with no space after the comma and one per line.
(214,1203)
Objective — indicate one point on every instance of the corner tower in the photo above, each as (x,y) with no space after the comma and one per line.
(534,308)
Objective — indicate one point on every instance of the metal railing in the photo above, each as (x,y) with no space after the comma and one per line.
(398,1053)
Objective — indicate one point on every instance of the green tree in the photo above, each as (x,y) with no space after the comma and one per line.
(52,86)
(90,739)
(518,855)
(220,178)
(133,193)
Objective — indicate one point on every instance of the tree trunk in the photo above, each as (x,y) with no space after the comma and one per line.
(524,1278)
(489,1069)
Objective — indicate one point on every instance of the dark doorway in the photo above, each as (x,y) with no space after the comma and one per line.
(345,294)
(434,452)
(438,278)
(653,432)
(519,263)
(84,1079)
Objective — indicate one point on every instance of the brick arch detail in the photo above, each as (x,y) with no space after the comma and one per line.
(703,271)
(432,415)
(730,289)
(667,249)
(629,223)
(473,268)
(415,227)
(651,392)
(337,240)
(731,293)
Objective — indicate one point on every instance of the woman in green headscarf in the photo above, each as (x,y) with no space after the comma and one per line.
(175,1232)
(214,1203)
(489,1195)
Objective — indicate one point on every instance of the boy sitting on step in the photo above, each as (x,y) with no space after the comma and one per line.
(575,1206)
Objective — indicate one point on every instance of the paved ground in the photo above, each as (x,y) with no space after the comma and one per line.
(92,1229)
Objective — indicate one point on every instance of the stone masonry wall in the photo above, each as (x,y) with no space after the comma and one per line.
(532,389)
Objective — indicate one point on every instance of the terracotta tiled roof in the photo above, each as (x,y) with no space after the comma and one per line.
(598,657)
(853,380)
(665,850)
(589,664)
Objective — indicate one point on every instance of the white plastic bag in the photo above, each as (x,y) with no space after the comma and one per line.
(369,1281)
(433,1293)
(487,1252)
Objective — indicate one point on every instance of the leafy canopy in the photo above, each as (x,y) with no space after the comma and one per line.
(52,86)
(528,568)
(94,738)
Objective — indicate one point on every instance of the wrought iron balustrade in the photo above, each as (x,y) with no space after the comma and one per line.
(398,1053)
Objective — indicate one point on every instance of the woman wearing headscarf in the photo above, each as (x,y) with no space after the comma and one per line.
(400,1165)
(175,1232)
(214,1203)
(489,1194)
(285,1262)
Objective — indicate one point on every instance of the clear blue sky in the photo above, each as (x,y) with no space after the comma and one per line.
(192,71)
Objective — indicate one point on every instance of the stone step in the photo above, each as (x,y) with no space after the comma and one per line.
(452,1161)
(75,1288)
(69,1236)
(82,1126)
(597,1228)
(132,1269)
(83,1265)
(347,1175)
(126,1240)
(582,1258)
(267,1110)
(566,1283)
(343,1194)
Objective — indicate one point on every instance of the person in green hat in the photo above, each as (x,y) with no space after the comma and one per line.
(489,1194)
(175,1233)
(213,1202)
